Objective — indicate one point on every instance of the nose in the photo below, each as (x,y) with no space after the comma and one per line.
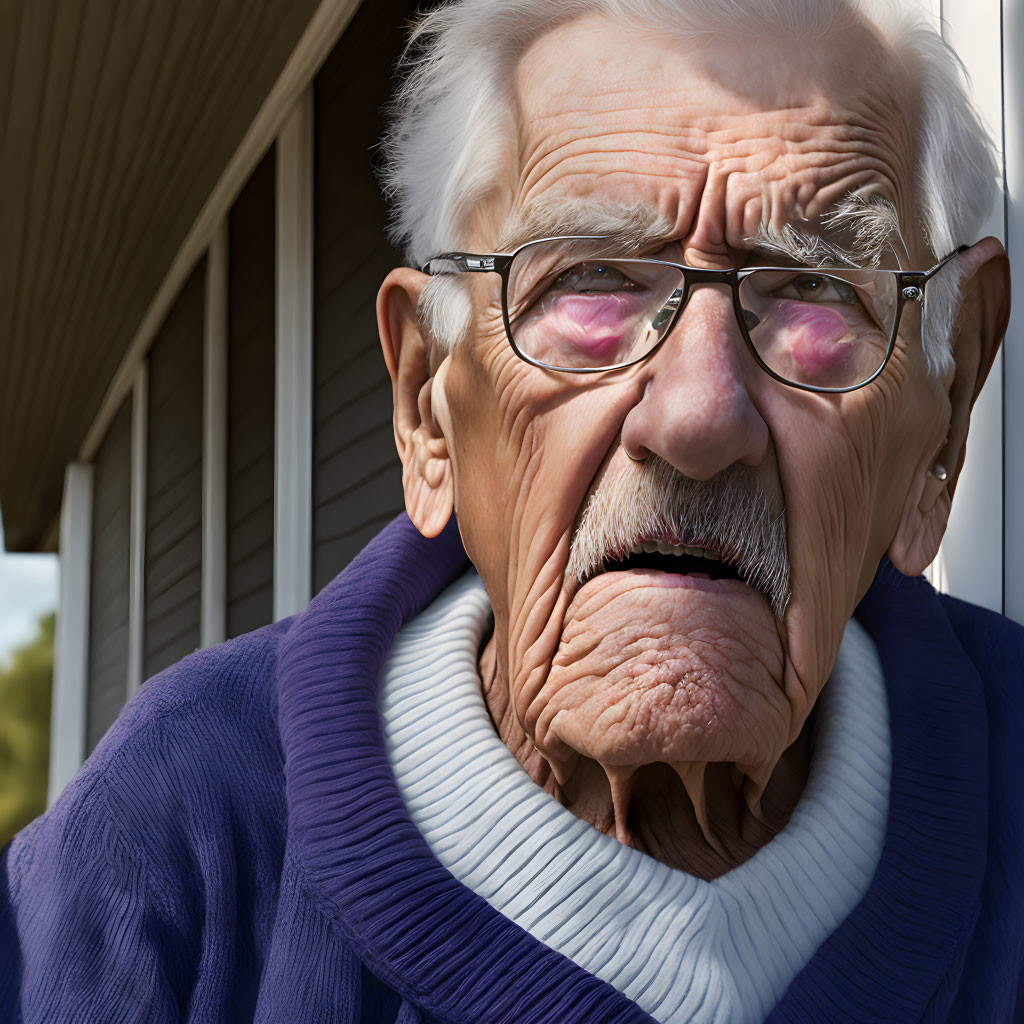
(696,411)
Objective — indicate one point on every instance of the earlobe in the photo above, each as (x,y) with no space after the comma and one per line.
(922,526)
(427,477)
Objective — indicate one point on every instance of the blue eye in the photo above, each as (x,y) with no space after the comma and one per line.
(591,277)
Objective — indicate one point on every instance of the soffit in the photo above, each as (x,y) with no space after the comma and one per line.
(117,119)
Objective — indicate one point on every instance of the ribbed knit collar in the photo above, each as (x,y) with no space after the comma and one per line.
(686,950)
(362,860)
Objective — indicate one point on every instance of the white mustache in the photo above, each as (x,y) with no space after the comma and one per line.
(652,499)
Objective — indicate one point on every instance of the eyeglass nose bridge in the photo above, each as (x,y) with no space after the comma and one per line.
(680,297)
(698,275)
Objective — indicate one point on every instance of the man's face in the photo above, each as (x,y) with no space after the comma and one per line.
(640,666)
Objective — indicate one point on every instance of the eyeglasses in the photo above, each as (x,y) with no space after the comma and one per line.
(572,304)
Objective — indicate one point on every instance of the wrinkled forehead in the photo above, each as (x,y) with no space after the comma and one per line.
(720,139)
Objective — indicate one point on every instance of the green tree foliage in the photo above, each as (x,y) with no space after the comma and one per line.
(25,731)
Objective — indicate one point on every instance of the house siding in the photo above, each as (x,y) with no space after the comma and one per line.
(356,472)
(250,439)
(174,482)
(108,578)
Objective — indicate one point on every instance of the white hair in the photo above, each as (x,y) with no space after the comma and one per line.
(453,123)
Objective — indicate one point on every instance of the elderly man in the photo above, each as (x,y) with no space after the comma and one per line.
(691,357)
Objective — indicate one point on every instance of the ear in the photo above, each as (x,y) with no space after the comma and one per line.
(981,324)
(427,477)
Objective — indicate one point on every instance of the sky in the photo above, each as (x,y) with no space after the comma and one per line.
(28,589)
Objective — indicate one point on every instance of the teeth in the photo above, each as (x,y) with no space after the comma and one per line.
(660,547)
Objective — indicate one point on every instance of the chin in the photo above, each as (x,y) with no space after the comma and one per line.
(652,669)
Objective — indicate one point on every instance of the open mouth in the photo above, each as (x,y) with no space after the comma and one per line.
(700,562)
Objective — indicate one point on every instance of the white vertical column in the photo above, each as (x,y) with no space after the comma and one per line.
(215,445)
(71,637)
(137,549)
(970,563)
(1013,355)
(293,455)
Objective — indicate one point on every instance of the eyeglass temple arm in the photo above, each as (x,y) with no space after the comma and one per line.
(467,263)
(912,282)
(929,274)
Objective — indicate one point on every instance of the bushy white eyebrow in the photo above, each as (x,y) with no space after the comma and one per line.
(855,232)
(635,228)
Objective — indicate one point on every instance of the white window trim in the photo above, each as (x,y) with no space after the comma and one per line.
(137,549)
(213,608)
(71,636)
(293,408)
(1013,354)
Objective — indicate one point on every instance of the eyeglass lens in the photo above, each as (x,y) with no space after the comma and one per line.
(571,308)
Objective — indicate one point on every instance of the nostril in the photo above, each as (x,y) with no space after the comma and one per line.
(750,319)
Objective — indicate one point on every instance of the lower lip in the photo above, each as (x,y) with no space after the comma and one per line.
(674,580)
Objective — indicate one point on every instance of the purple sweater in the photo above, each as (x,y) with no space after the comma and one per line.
(236,848)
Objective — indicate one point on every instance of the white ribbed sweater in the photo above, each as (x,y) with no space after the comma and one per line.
(684,949)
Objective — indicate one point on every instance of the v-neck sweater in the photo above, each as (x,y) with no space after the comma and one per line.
(237,848)
(683,949)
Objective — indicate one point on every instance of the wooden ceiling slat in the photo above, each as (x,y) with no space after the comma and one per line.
(66,144)
(35,293)
(22,138)
(20,141)
(118,149)
(98,283)
(153,137)
(193,132)
(168,86)
(63,345)
(126,149)
(116,121)
(76,229)
(166,138)
(88,138)
(112,85)
(49,177)
(10,33)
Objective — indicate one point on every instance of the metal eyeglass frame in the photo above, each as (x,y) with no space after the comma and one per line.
(910,288)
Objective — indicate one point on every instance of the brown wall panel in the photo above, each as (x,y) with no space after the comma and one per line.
(356,473)
(109,579)
(250,469)
(174,482)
